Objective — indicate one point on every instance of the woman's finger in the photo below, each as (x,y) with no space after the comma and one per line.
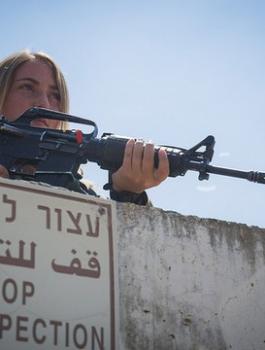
(162,172)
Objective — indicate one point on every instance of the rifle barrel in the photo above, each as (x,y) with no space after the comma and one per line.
(253,176)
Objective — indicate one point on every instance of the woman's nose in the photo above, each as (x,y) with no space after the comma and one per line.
(42,100)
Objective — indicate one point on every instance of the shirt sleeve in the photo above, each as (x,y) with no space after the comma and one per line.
(126,196)
(129,197)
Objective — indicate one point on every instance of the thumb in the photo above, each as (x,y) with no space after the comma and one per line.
(3,172)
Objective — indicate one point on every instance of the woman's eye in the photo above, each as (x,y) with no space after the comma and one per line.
(56,96)
(27,87)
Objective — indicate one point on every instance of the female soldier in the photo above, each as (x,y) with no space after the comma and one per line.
(30,79)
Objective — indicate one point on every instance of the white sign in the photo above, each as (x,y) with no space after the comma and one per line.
(57,269)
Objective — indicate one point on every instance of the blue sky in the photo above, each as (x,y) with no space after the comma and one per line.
(168,71)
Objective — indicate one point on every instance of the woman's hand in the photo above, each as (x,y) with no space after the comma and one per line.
(137,172)
(3,172)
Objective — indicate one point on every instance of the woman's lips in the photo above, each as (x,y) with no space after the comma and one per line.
(39,123)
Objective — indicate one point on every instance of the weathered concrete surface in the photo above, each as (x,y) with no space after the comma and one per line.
(188,283)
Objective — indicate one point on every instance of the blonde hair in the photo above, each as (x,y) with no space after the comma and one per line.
(9,66)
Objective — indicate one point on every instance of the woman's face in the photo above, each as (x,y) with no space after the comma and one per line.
(33,85)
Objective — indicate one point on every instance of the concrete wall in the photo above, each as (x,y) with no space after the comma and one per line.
(189,283)
(185,283)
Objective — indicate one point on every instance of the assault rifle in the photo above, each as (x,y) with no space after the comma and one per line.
(56,155)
